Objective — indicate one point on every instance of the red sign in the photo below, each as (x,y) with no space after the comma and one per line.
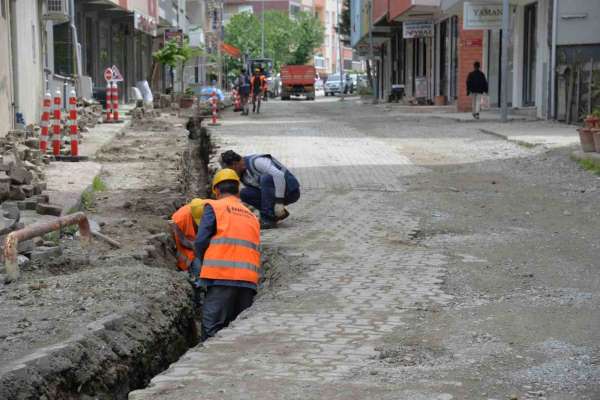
(108,74)
(472,43)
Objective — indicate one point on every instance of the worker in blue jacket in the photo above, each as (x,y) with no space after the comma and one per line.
(269,185)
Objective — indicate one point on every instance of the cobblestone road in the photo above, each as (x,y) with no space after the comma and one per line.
(357,276)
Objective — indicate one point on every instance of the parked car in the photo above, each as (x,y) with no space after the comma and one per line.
(333,85)
(274,86)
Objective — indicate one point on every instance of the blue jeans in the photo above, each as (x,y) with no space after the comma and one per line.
(263,199)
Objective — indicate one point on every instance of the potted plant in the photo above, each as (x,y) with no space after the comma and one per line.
(188,98)
(589,135)
(592,123)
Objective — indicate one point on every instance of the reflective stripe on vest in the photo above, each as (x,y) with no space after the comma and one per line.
(238,242)
(231,264)
(233,253)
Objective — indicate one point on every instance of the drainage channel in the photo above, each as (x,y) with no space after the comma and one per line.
(122,352)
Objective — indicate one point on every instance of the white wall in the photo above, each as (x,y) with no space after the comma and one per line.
(6,114)
(584,28)
(28,63)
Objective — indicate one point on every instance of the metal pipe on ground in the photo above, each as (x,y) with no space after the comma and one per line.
(11,243)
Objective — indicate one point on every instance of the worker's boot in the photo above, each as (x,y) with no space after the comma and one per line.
(284,216)
(267,224)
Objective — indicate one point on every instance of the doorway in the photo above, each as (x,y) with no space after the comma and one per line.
(443,60)
(529,54)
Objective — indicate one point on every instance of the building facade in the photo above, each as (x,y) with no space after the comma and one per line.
(429,47)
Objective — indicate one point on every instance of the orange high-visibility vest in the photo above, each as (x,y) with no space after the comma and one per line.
(263,83)
(233,253)
(183,221)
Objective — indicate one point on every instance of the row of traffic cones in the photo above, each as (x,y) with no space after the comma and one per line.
(52,107)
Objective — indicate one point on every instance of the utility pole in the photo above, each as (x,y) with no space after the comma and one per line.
(262,36)
(371,56)
(341,50)
(504,62)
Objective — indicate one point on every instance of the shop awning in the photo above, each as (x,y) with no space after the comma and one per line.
(231,50)
(410,9)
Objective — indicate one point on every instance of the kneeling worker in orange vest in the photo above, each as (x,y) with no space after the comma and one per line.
(228,244)
(184,224)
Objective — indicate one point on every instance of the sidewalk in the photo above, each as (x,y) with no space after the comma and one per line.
(68,180)
(534,133)
(520,129)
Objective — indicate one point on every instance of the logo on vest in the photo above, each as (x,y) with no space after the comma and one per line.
(242,212)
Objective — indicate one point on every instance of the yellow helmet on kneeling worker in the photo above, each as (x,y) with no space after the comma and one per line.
(225,174)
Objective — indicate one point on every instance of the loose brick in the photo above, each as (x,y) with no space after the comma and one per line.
(49,209)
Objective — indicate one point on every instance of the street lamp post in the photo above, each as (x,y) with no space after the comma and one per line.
(340,51)
(262,35)
(504,61)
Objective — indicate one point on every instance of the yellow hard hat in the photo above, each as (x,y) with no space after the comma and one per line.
(226,174)
(197,206)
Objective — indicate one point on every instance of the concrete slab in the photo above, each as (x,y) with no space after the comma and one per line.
(546,133)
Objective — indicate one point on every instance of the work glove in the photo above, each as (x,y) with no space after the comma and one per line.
(279,210)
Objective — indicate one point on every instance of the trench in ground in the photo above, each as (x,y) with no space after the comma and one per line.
(122,351)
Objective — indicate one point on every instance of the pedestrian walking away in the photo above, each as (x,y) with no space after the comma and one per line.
(243,87)
(257,86)
(477,86)
(227,246)
(269,185)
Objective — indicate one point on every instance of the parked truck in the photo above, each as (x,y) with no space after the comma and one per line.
(298,80)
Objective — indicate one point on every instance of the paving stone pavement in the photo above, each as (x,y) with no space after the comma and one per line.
(313,336)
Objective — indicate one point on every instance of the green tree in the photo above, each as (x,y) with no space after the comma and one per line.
(308,35)
(287,40)
(172,54)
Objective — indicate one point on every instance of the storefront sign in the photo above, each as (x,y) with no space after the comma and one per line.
(482,16)
(417,29)
(176,35)
(145,23)
(472,43)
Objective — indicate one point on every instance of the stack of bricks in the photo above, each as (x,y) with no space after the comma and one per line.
(470,50)
(21,172)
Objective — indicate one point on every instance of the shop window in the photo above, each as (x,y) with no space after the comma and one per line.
(294,10)
(63,49)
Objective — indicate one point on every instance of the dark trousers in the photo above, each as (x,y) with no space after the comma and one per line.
(263,199)
(256,98)
(222,304)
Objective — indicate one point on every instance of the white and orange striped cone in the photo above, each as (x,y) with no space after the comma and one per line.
(45,122)
(56,123)
(115,102)
(215,109)
(73,126)
(108,108)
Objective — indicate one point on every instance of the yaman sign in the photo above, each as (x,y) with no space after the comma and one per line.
(482,16)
